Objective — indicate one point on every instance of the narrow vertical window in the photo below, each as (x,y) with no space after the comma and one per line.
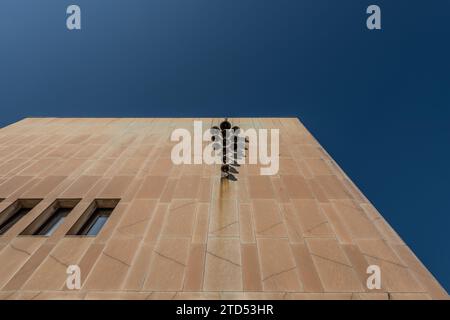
(51,218)
(11,215)
(95,217)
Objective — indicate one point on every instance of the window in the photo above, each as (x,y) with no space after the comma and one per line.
(15,212)
(95,222)
(51,218)
(95,217)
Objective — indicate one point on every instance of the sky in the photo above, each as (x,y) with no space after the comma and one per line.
(377,101)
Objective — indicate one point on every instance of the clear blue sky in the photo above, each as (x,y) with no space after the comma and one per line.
(379,102)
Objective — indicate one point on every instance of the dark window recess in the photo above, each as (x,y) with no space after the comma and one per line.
(94,218)
(15,212)
(52,217)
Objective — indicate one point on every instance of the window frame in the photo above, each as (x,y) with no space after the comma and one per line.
(11,212)
(87,220)
(43,221)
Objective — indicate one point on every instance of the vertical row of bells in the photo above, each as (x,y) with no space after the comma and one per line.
(226,141)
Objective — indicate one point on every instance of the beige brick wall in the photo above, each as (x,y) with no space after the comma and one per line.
(181,231)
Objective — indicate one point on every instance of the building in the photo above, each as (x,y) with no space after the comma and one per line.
(104,195)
